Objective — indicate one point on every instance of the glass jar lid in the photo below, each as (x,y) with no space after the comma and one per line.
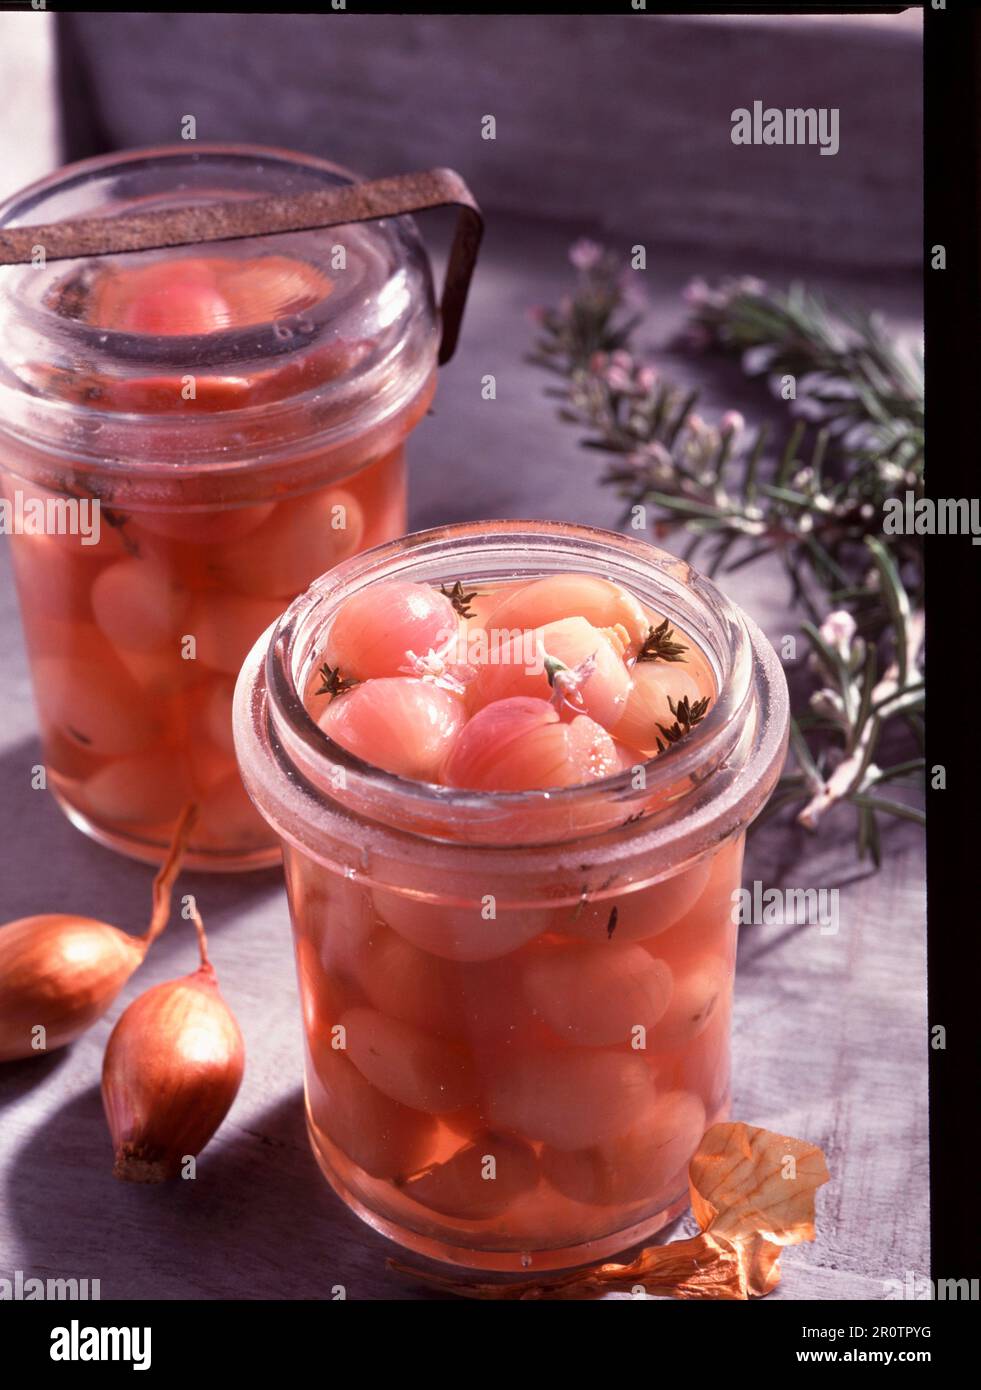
(216,356)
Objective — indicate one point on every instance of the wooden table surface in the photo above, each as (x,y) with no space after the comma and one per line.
(830,1034)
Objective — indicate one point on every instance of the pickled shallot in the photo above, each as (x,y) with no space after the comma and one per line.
(554,703)
(379,629)
(399,724)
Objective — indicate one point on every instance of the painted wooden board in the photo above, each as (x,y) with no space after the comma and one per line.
(624,116)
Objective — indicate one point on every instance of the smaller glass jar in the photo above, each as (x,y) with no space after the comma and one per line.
(188,437)
(516,1004)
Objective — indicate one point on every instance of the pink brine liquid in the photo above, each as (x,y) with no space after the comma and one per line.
(503,1083)
(135,641)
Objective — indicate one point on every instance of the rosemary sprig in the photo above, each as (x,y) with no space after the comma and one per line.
(332,682)
(659,645)
(816,500)
(588,322)
(868,391)
(460,599)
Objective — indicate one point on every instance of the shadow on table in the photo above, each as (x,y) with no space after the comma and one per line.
(259,1221)
(22,1076)
(52,867)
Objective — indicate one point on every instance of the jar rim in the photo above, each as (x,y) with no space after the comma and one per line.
(751,687)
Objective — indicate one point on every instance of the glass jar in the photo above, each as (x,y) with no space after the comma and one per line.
(187,438)
(516,1004)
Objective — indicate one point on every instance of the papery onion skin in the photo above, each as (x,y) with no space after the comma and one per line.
(172,1068)
(61,972)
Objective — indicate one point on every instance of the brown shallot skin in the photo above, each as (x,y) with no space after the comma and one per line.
(172,1068)
(60,972)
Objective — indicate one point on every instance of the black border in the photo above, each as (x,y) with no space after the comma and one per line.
(952,170)
(953,667)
